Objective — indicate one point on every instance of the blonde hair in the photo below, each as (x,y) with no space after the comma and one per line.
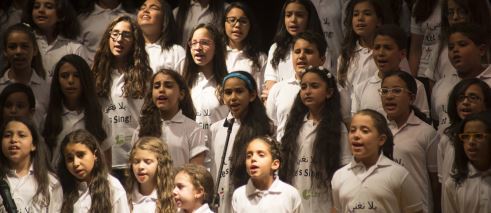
(164,175)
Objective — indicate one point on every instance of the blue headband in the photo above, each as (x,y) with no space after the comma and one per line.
(241,77)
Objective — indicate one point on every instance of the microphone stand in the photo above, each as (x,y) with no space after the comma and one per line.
(216,198)
(8,202)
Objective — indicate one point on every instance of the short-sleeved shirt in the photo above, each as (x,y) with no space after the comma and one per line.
(383,187)
(171,58)
(119,202)
(24,188)
(143,203)
(205,100)
(415,149)
(280,197)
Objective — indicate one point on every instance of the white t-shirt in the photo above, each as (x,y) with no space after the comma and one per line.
(205,100)
(217,145)
(472,195)
(366,96)
(123,114)
(279,103)
(197,14)
(143,203)
(172,58)
(383,187)
(315,198)
(415,149)
(40,88)
(94,24)
(71,121)
(280,197)
(439,99)
(52,53)
(430,29)
(443,67)
(331,14)
(184,138)
(119,202)
(24,188)
(236,60)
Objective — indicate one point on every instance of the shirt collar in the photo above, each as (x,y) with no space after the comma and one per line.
(381,162)
(412,120)
(13,173)
(359,48)
(375,79)
(203,209)
(35,78)
(196,2)
(98,9)
(251,190)
(473,172)
(139,198)
(178,118)
(485,74)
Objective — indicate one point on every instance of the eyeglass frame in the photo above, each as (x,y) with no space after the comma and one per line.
(233,20)
(477,136)
(125,35)
(472,98)
(391,91)
(194,43)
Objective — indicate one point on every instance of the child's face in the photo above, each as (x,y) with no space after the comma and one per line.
(144,166)
(237,97)
(121,40)
(477,148)
(79,160)
(17,143)
(185,195)
(296,18)
(237,25)
(472,101)
(166,93)
(397,102)
(456,14)
(306,54)
(17,104)
(259,161)
(19,50)
(386,53)
(150,15)
(463,53)
(364,19)
(314,91)
(44,14)
(364,138)
(69,79)
(202,47)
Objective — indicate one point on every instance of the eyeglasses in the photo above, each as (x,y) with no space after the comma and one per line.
(396,91)
(114,34)
(466,137)
(460,12)
(233,20)
(471,98)
(202,42)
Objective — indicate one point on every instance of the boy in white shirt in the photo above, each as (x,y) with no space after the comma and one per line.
(264,192)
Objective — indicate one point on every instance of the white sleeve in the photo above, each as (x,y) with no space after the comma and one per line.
(234,201)
(270,73)
(271,110)
(431,153)
(180,55)
(439,156)
(410,195)
(416,28)
(421,100)
(56,197)
(449,203)
(109,141)
(197,142)
(355,100)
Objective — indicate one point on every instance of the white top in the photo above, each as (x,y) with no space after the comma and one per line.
(202,209)
(472,196)
(119,203)
(71,121)
(430,29)
(197,14)
(443,67)
(279,103)
(280,197)
(366,96)
(315,198)
(172,58)
(205,100)
(383,187)
(445,157)
(415,149)
(439,99)
(285,69)
(40,88)
(331,14)
(143,203)
(236,60)
(361,67)
(94,24)
(24,188)
(52,53)
(123,114)
(217,144)
(184,138)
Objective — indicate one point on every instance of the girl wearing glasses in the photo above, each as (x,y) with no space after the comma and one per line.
(243,41)
(468,189)
(204,70)
(414,144)
(468,97)
(122,74)
(158,26)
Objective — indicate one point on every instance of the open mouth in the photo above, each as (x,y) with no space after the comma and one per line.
(118,48)
(13,148)
(253,169)
(390,106)
(357,146)
(41,18)
(382,62)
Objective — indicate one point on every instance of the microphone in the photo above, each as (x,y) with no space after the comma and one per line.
(229,122)
(8,202)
